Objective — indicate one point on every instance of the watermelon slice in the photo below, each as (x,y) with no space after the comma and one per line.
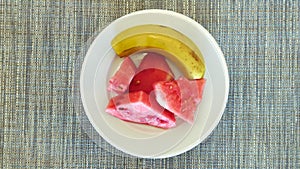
(153,68)
(120,81)
(139,107)
(181,96)
(144,80)
(111,109)
(156,61)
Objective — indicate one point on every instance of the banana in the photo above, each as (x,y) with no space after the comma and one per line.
(165,41)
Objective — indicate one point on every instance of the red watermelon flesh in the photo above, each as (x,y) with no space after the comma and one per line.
(139,107)
(154,60)
(111,109)
(153,68)
(120,81)
(181,96)
(200,86)
(144,80)
(191,88)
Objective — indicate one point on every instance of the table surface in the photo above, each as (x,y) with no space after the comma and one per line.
(41,40)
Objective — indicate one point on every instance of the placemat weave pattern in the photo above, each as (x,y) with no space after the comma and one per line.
(39,44)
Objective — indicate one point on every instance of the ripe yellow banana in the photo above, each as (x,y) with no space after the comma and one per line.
(163,40)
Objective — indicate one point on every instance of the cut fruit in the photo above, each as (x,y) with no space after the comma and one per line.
(163,40)
(154,60)
(111,109)
(144,80)
(120,81)
(139,107)
(153,68)
(181,96)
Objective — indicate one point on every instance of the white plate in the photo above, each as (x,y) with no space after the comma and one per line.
(145,141)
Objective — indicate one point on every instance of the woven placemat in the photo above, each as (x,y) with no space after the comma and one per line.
(41,40)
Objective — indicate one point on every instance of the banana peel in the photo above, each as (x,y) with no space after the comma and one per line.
(163,40)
